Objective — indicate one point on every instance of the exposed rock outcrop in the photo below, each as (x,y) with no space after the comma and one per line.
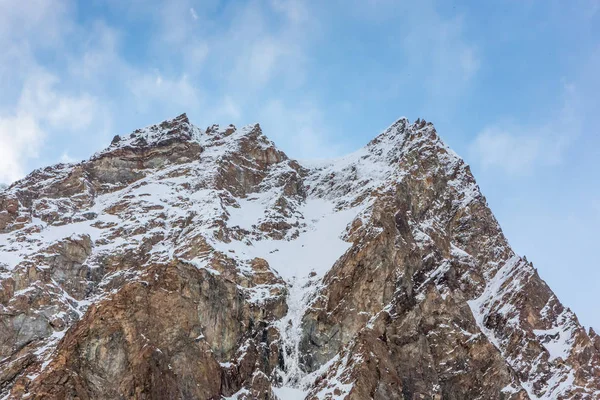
(205,264)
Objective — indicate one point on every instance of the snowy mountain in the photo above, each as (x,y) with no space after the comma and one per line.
(205,264)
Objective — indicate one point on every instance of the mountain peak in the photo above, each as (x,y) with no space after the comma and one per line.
(175,129)
(401,129)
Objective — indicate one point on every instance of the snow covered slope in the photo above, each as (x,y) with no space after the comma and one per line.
(204,263)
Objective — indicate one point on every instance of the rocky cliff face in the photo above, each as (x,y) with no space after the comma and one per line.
(206,264)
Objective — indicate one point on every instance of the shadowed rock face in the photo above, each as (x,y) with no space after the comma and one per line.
(205,264)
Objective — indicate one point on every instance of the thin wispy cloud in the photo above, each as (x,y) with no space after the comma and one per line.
(21,138)
(519,150)
(66,158)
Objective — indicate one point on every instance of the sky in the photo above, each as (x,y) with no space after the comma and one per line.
(512,86)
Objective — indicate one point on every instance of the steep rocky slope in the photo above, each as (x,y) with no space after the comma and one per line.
(205,264)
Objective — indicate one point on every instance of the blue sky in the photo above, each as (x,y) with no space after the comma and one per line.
(512,86)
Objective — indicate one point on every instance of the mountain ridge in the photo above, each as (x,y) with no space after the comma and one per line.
(379,274)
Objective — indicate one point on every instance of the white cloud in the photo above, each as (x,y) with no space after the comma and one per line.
(435,48)
(36,103)
(514,153)
(176,21)
(100,61)
(66,158)
(195,55)
(254,51)
(41,107)
(255,44)
(228,109)
(21,139)
(259,61)
(152,89)
(438,48)
(519,150)
(40,98)
(35,22)
(27,28)
(295,10)
(469,62)
(300,130)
